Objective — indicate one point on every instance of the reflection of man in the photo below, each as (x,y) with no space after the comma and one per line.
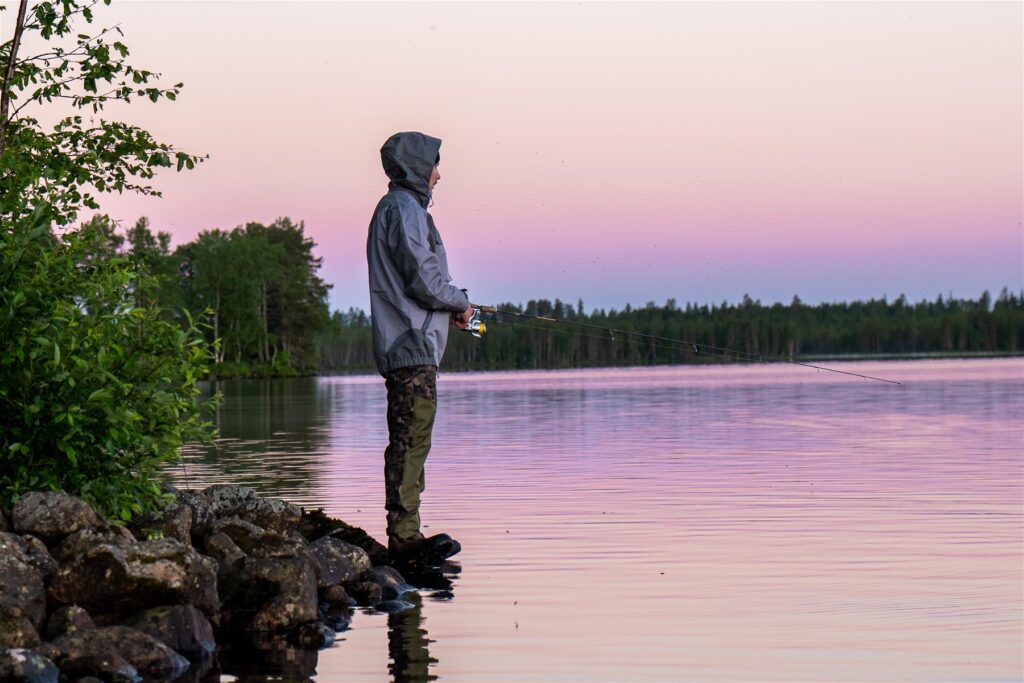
(412,301)
(408,645)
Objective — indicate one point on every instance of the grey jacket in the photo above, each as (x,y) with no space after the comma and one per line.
(410,291)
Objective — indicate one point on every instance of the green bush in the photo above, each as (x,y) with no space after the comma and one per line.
(97,391)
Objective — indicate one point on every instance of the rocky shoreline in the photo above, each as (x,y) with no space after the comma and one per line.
(82,599)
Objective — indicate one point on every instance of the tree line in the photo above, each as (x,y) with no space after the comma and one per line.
(255,288)
(749,329)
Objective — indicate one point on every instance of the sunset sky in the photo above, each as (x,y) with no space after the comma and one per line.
(614,152)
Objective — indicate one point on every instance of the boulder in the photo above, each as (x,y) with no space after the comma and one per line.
(275,544)
(228,555)
(336,596)
(316,524)
(338,561)
(116,579)
(174,520)
(150,658)
(108,667)
(272,594)
(183,628)
(314,636)
(245,535)
(83,540)
(5,519)
(391,582)
(22,595)
(67,619)
(51,515)
(25,666)
(17,631)
(202,513)
(365,593)
(38,556)
(241,501)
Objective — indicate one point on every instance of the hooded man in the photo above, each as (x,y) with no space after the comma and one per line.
(412,303)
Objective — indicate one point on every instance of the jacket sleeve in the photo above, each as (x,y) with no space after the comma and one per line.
(421,271)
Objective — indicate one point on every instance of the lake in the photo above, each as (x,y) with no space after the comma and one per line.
(705,523)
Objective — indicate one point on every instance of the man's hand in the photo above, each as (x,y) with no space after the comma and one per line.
(461,320)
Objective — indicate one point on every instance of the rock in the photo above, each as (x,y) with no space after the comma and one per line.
(80,542)
(174,520)
(314,636)
(114,579)
(5,519)
(245,535)
(183,628)
(228,555)
(150,658)
(274,544)
(316,524)
(336,595)
(202,513)
(17,631)
(241,501)
(365,593)
(51,515)
(38,556)
(67,619)
(337,617)
(22,595)
(338,561)
(272,594)
(391,583)
(110,667)
(25,666)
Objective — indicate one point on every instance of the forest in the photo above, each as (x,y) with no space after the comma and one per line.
(749,329)
(256,289)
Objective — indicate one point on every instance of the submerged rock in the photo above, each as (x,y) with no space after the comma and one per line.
(391,582)
(25,666)
(183,628)
(114,579)
(365,593)
(316,636)
(109,646)
(51,515)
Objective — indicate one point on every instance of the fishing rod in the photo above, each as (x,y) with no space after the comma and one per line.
(477,328)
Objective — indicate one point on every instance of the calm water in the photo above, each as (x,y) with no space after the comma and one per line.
(677,524)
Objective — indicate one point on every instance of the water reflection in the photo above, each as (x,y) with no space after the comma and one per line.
(409,645)
(667,524)
(275,427)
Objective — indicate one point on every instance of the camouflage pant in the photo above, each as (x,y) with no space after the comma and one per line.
(412,404)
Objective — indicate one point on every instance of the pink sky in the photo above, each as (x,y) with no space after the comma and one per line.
(614,152)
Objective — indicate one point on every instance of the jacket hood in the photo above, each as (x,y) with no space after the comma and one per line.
(408,159)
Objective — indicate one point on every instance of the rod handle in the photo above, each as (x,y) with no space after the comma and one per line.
(484,309)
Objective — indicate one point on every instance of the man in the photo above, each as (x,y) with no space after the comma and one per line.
(412,302)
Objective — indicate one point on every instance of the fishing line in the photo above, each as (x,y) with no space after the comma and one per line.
(696,346)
